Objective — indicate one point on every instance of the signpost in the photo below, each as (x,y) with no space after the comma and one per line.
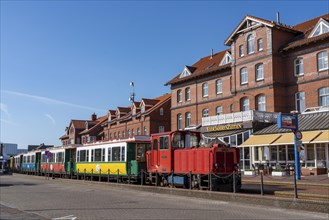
(290,121)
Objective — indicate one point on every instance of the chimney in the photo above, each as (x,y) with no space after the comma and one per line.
(212,53)
(93,117)
(278,17)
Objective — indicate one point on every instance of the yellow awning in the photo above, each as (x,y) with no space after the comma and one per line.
(322,138)
(260,140)
(309,136)
(288,138)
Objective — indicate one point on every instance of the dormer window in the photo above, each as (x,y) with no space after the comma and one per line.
(143,109)
(321,28)
(226,59)
(117,115)
(134,111)
(87,127)
(186,72)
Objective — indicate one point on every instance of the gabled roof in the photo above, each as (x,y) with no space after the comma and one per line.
(98,123)
(123,110)
(78,124)
(205,65)
(249,22)
(305,30)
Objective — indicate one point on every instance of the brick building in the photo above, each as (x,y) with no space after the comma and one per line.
(141,118)
(268,67)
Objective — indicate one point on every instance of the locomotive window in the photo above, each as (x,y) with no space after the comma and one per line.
(103,154)
(98,155)
(60,157)
(155,144)
(109,154)
(177,141)
(92,155)
(140,152)
(164,142)
(116,154)
(194,141)
(32,159)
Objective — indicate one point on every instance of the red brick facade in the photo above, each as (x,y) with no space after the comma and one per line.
(281,46)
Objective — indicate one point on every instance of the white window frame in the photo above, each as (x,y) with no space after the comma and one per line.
(324,96)
(219,86)
(219,110)
(179,121)
(260,44)
(320,26)
(245,105)
(259,72)
(322,58)
(243,75)
(188,94)
(261,103)
(241,50)
(187,119)
(179,95)
(251,44)
(300,102)
(205,113)
(299,67)
(205,90)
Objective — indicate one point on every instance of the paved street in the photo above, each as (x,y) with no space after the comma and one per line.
(39,198)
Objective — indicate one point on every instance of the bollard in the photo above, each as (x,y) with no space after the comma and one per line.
(118,176)
(190,180)
(262,183)
(92,174)
(100,172)
(210,181)
(142,177)
(234,189)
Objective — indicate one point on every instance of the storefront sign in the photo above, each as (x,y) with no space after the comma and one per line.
(225,127)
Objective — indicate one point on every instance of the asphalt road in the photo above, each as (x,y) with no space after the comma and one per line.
(28,197)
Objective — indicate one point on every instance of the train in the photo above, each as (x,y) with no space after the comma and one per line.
(175,159)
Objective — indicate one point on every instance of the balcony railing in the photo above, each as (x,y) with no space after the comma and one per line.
(252,115)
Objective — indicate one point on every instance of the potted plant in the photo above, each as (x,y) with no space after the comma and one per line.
(249,172)
(279,172)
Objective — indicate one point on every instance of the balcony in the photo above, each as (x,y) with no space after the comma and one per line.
(252,115)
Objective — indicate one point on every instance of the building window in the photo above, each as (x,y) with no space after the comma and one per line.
(205,90)
(115,135)
(179,121)
(219,110)
(219,86)
(123,133)
(320,29)
(161,111)
(299,67)
(241,50)
(179,95)
(118,134)
(128,132)
(259,72)
(260,44)
(245,104)
(145,131)
(161,129)
(132,132)
(138,131)
(187,119)
(244,75)
(322,60)
(187,94)
(300,101)
(324,96)
(250,44)
(261,103)
(205,113)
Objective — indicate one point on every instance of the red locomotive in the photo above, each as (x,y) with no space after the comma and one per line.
(177,158)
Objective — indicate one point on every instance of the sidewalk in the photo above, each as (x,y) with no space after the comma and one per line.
(308,187)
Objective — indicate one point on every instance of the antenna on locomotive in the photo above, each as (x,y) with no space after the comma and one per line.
(132,94)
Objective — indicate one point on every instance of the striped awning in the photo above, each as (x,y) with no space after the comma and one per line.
(322,138)
(260,140)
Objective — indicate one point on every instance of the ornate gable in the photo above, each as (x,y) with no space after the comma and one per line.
(321,27)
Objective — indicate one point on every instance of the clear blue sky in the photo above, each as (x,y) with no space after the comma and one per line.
(63,60)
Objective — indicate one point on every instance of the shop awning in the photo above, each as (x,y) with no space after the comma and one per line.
(288,138)
(322,138)
(260,140)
